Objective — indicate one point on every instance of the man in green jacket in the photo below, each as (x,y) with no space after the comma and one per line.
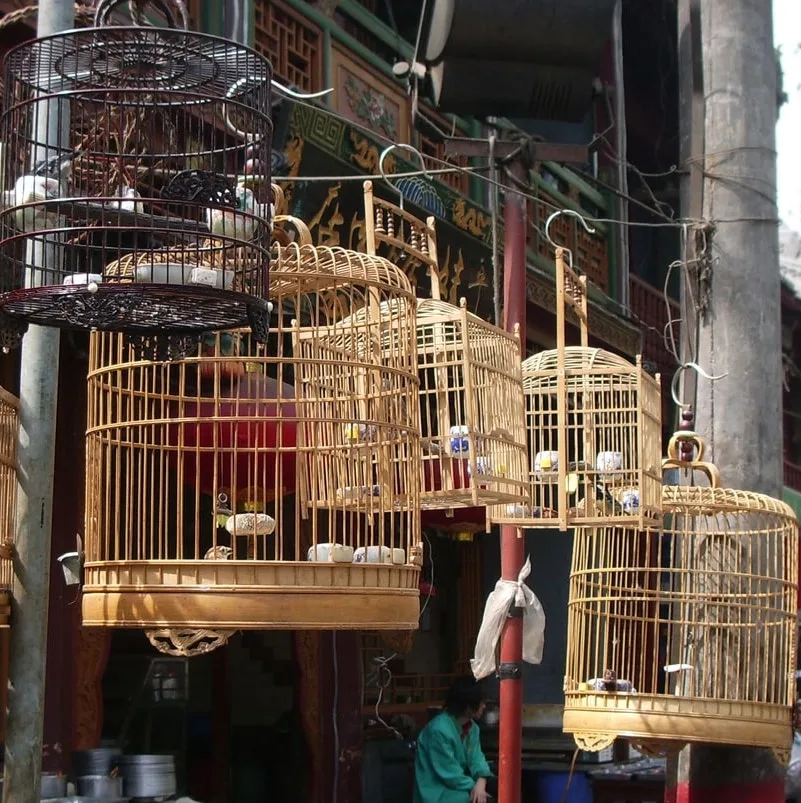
(450,766)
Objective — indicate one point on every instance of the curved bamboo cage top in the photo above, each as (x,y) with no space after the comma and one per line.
(9,433)
(136,175)
(471,395)
(255,486)
(594,426)
(688,634)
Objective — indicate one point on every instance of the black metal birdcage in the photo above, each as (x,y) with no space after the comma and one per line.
(136,178)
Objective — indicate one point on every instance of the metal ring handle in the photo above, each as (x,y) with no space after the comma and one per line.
(589,229)
(279,89)
(403,146)
(137,7)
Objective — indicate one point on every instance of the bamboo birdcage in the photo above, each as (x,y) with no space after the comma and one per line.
(471,395)
(145,209)
(688,634)
(261,487)
(594,425)
(9,433)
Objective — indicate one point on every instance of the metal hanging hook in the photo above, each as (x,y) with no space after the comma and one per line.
(386,153)
(293,95)
(279,88)
(589,229)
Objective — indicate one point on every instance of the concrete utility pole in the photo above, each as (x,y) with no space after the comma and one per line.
(32,565)
(740,321)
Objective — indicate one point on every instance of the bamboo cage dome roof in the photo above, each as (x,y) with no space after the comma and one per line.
(305,269)
(704,501)
(579,361)
(434,311)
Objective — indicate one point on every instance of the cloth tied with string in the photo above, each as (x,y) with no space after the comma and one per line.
(499,603)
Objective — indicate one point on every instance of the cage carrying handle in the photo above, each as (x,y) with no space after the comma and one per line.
(137,11)
(429,223)
(302,230)
(696,462)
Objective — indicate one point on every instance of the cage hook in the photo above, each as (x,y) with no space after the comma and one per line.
(277,86)
(294,95)
(387,151)
(589,229)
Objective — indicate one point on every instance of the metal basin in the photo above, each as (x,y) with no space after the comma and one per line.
(99,761)
(99,786)
(53,785)
(148,776)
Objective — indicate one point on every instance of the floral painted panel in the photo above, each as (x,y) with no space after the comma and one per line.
(369,100)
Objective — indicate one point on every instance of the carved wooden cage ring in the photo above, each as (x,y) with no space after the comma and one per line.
(245,485)
(142,147)
(687,634)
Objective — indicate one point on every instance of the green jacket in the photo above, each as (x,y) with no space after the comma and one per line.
(446,767)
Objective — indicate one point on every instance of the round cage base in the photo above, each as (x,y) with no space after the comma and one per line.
(651,718)
(459,498)
(135,308)
(546,518)
(249,595)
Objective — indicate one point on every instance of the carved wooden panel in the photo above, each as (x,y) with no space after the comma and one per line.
(366,98)
(307,653)
(91,655)
(292,43)
(471,602)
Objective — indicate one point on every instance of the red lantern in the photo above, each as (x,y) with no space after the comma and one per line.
(244,442)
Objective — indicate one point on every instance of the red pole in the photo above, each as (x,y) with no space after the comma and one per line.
(512,541)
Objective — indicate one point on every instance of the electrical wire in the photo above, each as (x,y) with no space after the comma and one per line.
(566,791)
(382,674)
(524,190)
(448,167)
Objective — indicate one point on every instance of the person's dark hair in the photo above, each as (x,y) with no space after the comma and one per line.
(465,695)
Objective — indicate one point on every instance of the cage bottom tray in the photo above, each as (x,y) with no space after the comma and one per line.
(135,308)
(669,718)
(251,595)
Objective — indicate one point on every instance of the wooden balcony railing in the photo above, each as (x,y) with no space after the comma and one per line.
(407,693)
(590,251)
(650,310)
(792,475)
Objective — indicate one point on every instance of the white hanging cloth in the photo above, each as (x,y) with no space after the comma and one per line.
(498,605)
